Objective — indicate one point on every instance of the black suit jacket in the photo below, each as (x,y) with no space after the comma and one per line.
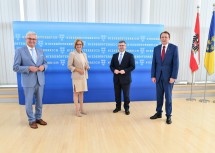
(127,64)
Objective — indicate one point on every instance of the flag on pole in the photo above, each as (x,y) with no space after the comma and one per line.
(195,50)
(209,55)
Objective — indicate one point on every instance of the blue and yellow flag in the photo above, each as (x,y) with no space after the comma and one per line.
(209,55)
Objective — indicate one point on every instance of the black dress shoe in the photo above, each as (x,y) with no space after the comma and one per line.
(127,112)
(156,116)
(168,120)
(116,110)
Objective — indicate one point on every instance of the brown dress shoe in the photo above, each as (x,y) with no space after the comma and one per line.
(41,122)
(33,125)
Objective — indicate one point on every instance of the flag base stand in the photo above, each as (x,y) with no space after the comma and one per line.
(204,100)
(191,94)
(190,99)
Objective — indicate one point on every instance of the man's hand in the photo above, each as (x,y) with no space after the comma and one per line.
(171,80)
(153,79)
(116,71)
(33,68)
(41,68)
(122,71)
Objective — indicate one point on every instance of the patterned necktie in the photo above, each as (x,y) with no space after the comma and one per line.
(163,53)
(120,58)
(34,55)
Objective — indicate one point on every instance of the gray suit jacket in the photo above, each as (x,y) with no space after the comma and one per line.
(22,60)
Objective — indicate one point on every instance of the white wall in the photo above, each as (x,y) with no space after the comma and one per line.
(177,16)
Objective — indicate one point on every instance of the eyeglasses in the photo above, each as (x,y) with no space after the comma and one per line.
(78,44)
(32,39)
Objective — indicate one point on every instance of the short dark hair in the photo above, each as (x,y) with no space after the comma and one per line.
(122,41)
(166,32)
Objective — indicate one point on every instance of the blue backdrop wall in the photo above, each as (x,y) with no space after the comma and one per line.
(57,38)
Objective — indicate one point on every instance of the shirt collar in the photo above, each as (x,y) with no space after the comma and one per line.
(165,46)
(122,52)
(29,48)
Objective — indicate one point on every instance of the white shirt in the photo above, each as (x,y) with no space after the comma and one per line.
(35,53)
(122,54)
(165,48)
(29,49)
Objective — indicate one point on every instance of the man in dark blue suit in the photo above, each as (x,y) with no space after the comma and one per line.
(122,63)
(164,71)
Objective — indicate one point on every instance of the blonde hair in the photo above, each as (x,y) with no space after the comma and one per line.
(76,41)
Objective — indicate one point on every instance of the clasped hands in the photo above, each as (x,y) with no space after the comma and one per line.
(80,71)
(35,69)
(119,72)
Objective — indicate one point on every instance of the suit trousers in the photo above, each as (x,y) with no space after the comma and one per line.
(164,87)
(33,94)
(119,88)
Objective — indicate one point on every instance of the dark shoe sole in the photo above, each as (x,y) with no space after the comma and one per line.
(153,118)
(127,113)
(170,122)
(116,111)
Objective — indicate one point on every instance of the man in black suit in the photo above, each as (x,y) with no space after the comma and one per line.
(122,63)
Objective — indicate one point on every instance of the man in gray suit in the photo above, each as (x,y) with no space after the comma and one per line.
(31,63)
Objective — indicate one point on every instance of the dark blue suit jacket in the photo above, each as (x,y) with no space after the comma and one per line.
(127,64)
(169,66)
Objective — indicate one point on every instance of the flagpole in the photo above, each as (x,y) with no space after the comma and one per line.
(205,100)
(195,49)
(191,94)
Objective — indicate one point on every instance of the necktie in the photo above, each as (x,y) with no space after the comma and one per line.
(163,53)
(120,58)
(34,55)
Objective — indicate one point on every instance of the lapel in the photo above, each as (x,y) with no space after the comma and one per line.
(38,55)
(159,53)
(117,58)
(124,57)
(77,58)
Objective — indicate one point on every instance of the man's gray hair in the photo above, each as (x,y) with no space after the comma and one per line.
(30,33)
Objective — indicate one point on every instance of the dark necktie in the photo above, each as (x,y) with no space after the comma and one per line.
(163,53)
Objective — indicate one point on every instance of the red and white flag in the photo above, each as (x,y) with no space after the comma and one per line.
(195,50)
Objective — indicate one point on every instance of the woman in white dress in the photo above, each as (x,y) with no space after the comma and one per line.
(79,66)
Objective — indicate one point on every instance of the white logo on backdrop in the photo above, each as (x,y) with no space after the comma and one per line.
(84,42)
(103,49)
(62,62)
(62,50)
(141,62)
(142,50)
(103,62)
(40,43)
(61,36)
(103,37)
(142,38)
(17,36)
